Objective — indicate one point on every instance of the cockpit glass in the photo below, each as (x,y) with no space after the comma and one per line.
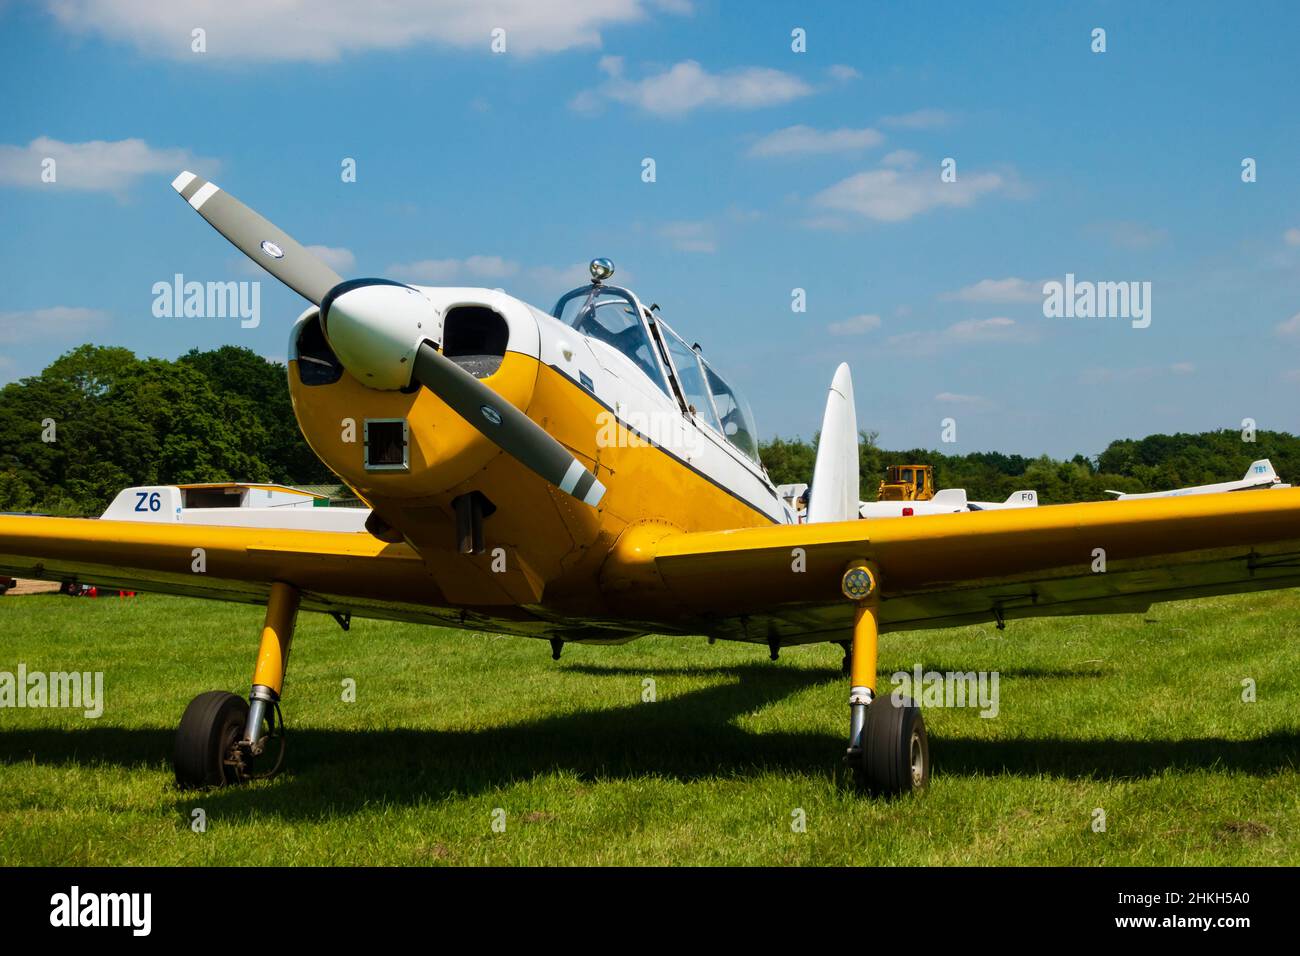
(733,410)
(690,376)
(611,317)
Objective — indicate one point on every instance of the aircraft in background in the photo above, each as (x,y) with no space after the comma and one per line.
(1259,475)
(585,475)
(945,501)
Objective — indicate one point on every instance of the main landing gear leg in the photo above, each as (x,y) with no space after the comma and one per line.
(889,752)
(222,735)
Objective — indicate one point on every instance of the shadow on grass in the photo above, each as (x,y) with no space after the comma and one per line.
(1110,759)
(683,738)
(833,673)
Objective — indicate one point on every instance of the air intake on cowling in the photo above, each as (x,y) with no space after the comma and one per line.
(475,337)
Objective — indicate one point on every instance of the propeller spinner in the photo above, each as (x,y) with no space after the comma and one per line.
(376,327)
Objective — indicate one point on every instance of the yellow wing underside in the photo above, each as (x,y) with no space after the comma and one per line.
(336,572)
(783,583)
(761,584)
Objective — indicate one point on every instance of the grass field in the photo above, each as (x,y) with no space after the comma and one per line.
(1141,717)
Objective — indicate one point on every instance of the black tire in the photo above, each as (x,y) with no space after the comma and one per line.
(895,756)
(210,727)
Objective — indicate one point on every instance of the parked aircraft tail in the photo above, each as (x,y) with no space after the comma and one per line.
(1261,471)
(834,493)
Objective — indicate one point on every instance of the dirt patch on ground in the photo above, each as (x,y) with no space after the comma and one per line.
(31,586)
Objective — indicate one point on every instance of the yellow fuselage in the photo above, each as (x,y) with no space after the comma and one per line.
(543,548)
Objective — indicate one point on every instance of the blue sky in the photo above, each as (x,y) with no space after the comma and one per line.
(775,170)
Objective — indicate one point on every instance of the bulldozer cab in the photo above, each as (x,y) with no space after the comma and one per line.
(907,483)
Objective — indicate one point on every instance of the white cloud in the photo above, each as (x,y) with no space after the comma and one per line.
(856,325)
(843,73)
(1010,289)
(321,30)
(804,140)
(1137,374)
(687,86)
(445,270)
(1132,236)
(336,257)
(956,398)
(56,322)
(690,236)
(743,214)
(967,332)
(902,158)
(558,279)
(1290,328)
(94,165)
(919,119)
(999,328)
(892,195)
(1291,237)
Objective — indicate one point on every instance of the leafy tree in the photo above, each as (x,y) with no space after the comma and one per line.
(98,420)
(226,415)
(788,462)
(1155,463)
(242,373)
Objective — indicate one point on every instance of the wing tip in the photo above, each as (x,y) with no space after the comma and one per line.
(184,179)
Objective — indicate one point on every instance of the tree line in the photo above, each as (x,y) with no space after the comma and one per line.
(100,419)
(1154,463)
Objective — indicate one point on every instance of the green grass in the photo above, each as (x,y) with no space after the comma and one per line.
(1142,718)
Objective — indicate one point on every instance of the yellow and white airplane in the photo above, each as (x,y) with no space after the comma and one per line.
(585,475)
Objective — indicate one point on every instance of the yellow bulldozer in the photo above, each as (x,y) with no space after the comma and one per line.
(907,483)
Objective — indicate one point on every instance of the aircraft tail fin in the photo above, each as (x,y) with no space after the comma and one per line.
(1025,499)
(834,492)
(1261,471)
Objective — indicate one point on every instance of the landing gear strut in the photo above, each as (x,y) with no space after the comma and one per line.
(889,751)
(222,738)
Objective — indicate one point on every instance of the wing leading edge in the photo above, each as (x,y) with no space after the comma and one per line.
(336,571)
(942,570)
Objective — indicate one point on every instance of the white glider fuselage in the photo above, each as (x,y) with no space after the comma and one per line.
(1260,475)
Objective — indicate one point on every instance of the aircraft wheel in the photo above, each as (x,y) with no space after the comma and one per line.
(206,741)
(895,755)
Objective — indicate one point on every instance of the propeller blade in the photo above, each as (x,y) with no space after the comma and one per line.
(281,255)
(261,240)
(510,429)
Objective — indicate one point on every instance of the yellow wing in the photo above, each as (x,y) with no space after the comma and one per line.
(339,572)
(783,582)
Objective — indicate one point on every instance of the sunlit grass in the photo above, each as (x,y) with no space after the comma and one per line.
(1141,718)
